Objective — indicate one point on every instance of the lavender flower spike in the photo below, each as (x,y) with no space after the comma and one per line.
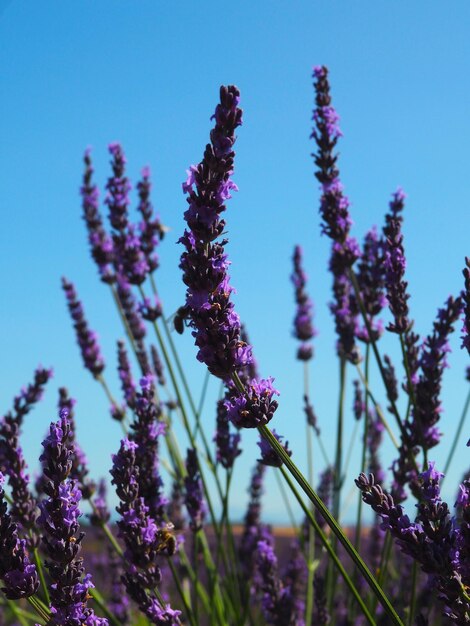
(395,264)
(194,498)
(151,229)
(466,309)
(19,576)
(334,204)
(204,264)
(227,443)
(216,326)
(102,249)
(62,537)
(303,327)
(86,339)
(433,361)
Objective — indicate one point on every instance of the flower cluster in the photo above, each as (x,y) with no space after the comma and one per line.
(86,339)
(193,491)
(466,299)
(303,326)
(101,244)
(145,541)
(62,537)
(371,281)
(431,539)
(19,576)
(145,432)
(227,443)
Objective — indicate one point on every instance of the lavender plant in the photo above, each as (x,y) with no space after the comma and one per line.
(172,551)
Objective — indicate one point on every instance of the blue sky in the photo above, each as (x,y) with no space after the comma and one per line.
(147,73)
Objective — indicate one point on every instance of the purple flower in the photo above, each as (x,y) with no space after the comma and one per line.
(358,406)
(466,307)
(193,494)
(333,204)
(145,541)
(12,462)
(125,375)
(86,339)
(279,601)
(102,248)
(311,415)
(31,394)
(344,309)
(100,514)
(268,456)
(151,229)
(149,310)
(19,575)
(256,407)
(145,432)
(157,365)
(427,411)
(227,443)
(303,327)
(252,527)
(395,264)
(118,187)
(430,540)
(371,281)
(62,540)
(216,326)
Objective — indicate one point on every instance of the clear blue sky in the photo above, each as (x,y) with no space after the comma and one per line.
(147,73)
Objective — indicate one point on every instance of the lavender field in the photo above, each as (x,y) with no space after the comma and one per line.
(332,489)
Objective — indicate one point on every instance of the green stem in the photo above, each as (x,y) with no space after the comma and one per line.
(339,441)
(42,578)
(179,588)
(332,523)
(285,498)
(378,408)
(411,392)
(357,538)
(311,532)
(457,436)
(326,544)
(411,615)
(111,398)
(16,612)
(39,608)
(337,479)
(98,598)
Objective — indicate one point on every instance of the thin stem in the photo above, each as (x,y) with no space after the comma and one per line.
(98,598)
(111,398)
(326,544)
(16,612)
(42,578)
(201,402)
(123,318)
(410,390)
(339,441)
(414,580)
(456,436)
(311,532)
(181,593)
(285,498)
(357,538)
(332,523)
(377,407)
